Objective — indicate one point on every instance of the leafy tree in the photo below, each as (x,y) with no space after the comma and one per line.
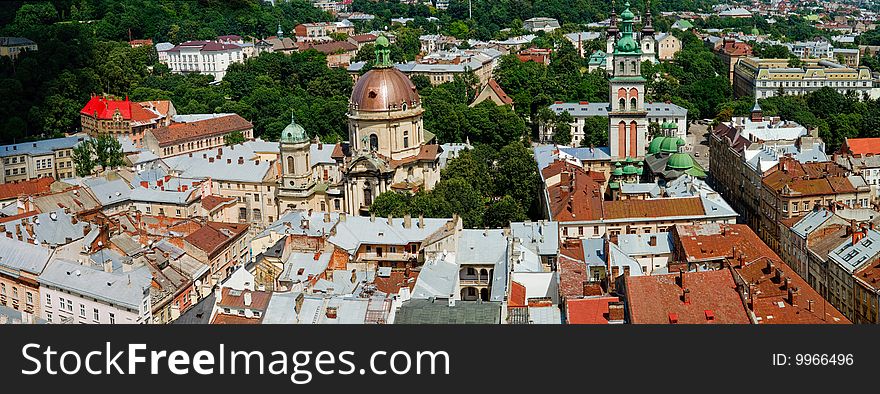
(83,159)
(234,138)
(108,152)
(595,131)
(562,128)
(500,213)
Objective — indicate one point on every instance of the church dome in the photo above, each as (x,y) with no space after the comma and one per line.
(680,161)
(383,89)
(629,169)
(294,133)
(656,143)
(671,144)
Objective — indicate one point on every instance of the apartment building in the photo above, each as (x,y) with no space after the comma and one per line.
(20,265)
(762,78)
(742,150)
(192,133)
(222,246)
(107,115)
(204,57)
(51,158)
(321,31)
(73,293)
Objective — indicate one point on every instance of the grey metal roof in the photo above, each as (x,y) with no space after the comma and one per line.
(811,222)
(617,258)
(321,154)
(108,192)
(126,289)
(547,154)
(852,256)
(200,166)
(651,189)
(281,309)
(42,147)
(579,110)
(22,256)
(481,247)
(545,315)
(299,267)
(640,244)
(437,278)
(200,313)
(348,310)
(53,228)
(541,236)
(291,222)
(357,230)
(452,150)
(594,251)
(163,196)
(438,311)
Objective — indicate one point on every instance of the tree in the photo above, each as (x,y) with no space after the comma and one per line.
(463,200)
(500,213)
(82,158)
(562,128)
(108,151)
(516,174)
(595,131)
(234,138)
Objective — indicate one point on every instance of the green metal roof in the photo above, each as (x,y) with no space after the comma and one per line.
(421,311)
(654,146)
(630,170)
(294,133)
(680,161)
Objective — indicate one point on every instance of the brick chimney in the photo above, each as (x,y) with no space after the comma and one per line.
(331,312)
(652,241)
(680,279)
(615,312)
(407,221)
(793,295)
(686,296)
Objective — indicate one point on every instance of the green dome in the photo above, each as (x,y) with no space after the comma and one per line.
(671,144)
(680,161)
(627,15)
(755,31)
(640,170)
(382,41)
(627,44)
(629,159)
(617,172)
(630,170)
(294,133)
(654,146)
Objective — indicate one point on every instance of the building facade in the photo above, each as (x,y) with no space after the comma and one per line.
(764,78)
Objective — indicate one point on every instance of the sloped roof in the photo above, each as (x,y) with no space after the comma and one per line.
(657,299)
(11,190)
(180,132)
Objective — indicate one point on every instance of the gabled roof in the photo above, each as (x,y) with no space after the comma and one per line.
(11,190)
(213,236)
(861,146)
(591,310)
(180,132)
(658,299)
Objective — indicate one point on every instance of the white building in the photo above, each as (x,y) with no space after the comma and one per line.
(659,113)
(204,57)
(72,293)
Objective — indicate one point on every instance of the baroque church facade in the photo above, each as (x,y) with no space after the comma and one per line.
(389,148)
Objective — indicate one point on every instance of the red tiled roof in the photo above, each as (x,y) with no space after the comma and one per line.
(236,299)
(657,299)
(861,146)
(741,249)
(500,92)
(517,296)
(213,236)
(19,216)
(653,208)
(427,152)
(395,282)
(807,179)
(101,107)
(12,190)
(212,201)
(588,310)
(572,275)
(333,47)
(576,196)
(233,319)
(181,132)
(363,37)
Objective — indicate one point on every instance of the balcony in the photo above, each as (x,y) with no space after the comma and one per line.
(472,280)
(386,256)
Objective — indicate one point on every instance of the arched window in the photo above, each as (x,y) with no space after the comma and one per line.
(621,137)
(374,142)
(632,103)
(622,104)
(633,139)
(290,169)
(634,67)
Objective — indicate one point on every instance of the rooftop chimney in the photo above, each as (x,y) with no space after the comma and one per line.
(653,240)
(793,295)
(407,221)
(686,296)
(615,311)
(247,299)
(390,220)
(331,312)
(421,221)
(680,278)
(107,265)
(326,217)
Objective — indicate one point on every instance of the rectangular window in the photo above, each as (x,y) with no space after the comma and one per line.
(30,298)
(112,319)
(49,300)
(95,315)
(82,310)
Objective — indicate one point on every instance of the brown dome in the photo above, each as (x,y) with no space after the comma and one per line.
(381,89)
